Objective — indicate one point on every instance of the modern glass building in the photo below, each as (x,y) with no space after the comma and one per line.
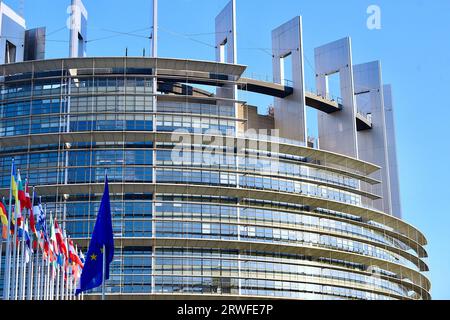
(203,206)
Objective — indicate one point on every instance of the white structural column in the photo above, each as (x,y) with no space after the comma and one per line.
(78,29)
(12,35)
(290,112)
(372,144)
(226,52)
(392,151)
(337,131)
(226,44)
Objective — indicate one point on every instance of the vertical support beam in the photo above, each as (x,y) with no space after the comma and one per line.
(226,44)
(392,151)
(290,112)
(226,51)
(155,30)
(12,35)
(337,131)
(78,29)
(372,144)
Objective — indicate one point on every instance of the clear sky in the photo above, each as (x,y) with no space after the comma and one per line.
(413,45)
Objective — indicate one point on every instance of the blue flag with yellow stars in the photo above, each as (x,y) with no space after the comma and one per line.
(91,277)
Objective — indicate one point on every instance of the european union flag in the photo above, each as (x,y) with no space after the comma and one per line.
(102,240)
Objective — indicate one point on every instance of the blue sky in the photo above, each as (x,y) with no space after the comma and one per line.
(412,45)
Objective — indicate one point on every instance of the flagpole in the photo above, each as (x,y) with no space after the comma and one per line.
(42,274)
(7,275)
(15,254)
(44,279)
(40,262)
(31,261)
(21,270)
(104,272)
(37,275)
(52,280)
(65,275)
(47,264)
(29,295)
(47,283)
(71,290)
(1,255)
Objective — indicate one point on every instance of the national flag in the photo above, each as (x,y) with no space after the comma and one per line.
(21,192)
(81,255)
(60,240)
(101,245)
(40,224)
(53,245)
(76,273)
(73,256)
(4,232)
(40,215)
(29,249)
(27,204)
(3,214)
(14,187)
(20,227)
(33,223)
(18,209)
(47,247)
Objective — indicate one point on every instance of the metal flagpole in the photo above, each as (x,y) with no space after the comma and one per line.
(104,272)
(30,275)
(42,277)
(58,271)
(71,290)
(1,253)
(37,275)
(68,285)
(47,278)
(52,280)
(15,254)
(64,275)
(22,265)
(7,275)
(47,284)
(66,290)
(31,267)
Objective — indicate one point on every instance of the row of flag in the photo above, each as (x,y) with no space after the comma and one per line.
(42,262)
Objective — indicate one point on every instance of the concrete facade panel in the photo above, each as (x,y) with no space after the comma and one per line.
(12,30)
(372,144)
(337,131)
(78,30)
(392,152)
(290,112)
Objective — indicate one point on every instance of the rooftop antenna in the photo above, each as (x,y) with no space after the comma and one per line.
(155,29)
(22,8)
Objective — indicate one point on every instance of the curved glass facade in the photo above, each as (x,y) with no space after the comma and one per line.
(235,226)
